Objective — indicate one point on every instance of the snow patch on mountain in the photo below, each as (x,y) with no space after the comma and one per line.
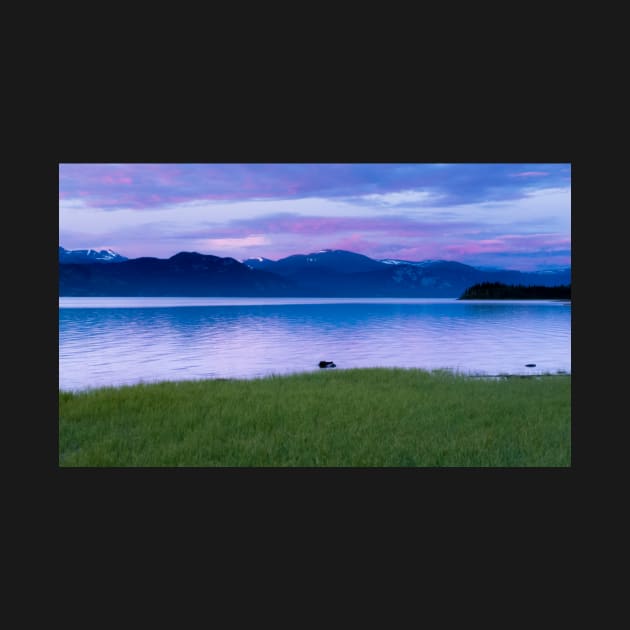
(89,255)
(420,263)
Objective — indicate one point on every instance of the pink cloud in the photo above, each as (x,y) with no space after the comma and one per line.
(116,179)
(549,241)
(455,183)
(354,243)
(418,252)
(313,225)
(511,243)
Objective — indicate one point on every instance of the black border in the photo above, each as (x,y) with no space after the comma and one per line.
(331,134)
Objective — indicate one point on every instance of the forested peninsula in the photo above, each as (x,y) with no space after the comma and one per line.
(500,291)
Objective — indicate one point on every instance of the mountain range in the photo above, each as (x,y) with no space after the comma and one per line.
(83,256)
(327,273)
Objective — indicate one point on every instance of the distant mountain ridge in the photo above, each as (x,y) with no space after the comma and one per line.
(327,273)
(335,260)
(185,274)
(83,256)
(341,272)
(419,263)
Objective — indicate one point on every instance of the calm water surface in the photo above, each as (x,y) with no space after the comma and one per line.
(118,341)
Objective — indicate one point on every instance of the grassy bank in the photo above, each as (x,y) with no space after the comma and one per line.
(360,417)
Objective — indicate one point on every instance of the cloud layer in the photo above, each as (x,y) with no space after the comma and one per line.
(512,215)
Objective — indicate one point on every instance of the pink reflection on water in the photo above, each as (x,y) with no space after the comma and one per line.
(118,341)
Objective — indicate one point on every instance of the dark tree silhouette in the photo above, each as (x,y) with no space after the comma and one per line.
(499,291)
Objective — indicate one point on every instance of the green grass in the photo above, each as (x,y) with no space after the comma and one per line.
(359,417)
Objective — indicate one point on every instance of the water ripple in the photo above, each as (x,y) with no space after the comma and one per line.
(123,345)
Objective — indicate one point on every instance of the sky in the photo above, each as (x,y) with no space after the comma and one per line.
(513,216)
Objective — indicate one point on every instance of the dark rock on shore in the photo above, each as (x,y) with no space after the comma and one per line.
(326,364)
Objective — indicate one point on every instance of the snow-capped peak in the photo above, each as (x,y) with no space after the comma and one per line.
(89,255)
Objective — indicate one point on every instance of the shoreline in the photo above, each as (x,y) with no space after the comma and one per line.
(435,372)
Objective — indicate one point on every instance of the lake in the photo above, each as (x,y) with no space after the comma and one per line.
(120,341)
